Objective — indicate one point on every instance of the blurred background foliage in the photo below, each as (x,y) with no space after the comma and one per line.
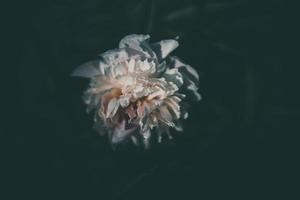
(243,51)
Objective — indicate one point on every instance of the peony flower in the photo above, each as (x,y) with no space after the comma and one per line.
(138,91)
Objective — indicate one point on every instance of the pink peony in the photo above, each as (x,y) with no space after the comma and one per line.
(138,90)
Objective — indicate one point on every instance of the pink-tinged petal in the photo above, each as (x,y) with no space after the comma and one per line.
(173,107)
(114,93)
(165,116)
(140,109)
(131,112)
(112,107)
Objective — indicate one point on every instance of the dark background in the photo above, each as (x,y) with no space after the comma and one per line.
(237,142)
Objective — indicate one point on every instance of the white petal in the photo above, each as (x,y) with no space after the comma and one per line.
(134,140)
(191,86)
(186,115)
(115,56)
(112,107)
(174,76)
(165,116)
(164,48)
(173,107)
(139,43)
(104,68)
(177,63)
(124,101)
(87,70)
(132,40)
(131,65)
(145,66)
(178,127)
(119,70)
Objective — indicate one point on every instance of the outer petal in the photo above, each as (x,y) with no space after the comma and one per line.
(133,40)
(87,70)
(190,78)
(161,68)
(172,75)
(187,69)
(191,89)
(164,48)
(173,106)
(137,42)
